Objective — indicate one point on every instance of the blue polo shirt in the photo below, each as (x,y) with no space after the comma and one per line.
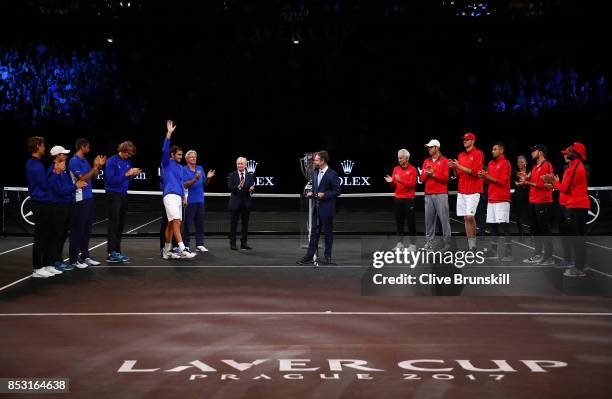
(61,187)
(115,180)
(80,166)
(196,191)
(38,186)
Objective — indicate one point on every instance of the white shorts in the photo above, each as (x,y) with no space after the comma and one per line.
(467,204)
(174,206)
(498,212)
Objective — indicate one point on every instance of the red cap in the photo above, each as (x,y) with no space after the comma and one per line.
(579,148)
(469,136)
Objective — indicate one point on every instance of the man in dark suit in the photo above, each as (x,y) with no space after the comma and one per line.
(241,185)
(325,189)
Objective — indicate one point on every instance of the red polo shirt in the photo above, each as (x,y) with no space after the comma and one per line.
(540,194)
(573,186)
(408,177)
(500,170)
(470,183)
(438,182)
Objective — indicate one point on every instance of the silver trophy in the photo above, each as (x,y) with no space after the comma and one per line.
(307,168)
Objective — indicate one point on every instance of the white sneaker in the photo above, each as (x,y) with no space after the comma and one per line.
(201,248)
(92,262)
(399,245)
(170,255)
(412,248)
(42,273)
(186,254)
(80,265)
(52,270)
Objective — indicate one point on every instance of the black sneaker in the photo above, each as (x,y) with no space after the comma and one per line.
(245,246)
(305,261)
(326,261)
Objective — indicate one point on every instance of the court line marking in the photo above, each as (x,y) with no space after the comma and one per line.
(127,232)
(554,256)
(16,249)
(92,248)
(30,244)
(558,257)
(317,313)
(599,245)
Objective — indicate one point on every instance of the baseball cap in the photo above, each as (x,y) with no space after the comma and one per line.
(469,136)
(433,143)
(58,149)
(579,148)
(539,147)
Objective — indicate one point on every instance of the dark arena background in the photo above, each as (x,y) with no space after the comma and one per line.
(273,81)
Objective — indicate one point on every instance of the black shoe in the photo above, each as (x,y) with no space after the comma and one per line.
(305,261)
(245,246)
(326,261)
(233,247)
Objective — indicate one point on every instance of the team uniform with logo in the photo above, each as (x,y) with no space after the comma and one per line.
(404,199)
(540,203)
(436,198)
(470,185)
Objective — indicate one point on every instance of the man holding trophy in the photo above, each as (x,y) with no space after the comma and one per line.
(325,189)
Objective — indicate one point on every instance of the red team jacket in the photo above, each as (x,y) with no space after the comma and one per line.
(438,184)
(500,170)
(540,194)
(573,192)
(474,160)
(408,177)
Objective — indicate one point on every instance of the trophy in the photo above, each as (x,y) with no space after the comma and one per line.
(307,167)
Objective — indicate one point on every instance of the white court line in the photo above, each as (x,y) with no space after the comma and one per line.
(319,313)
(530,247)
(30,244)
(598,245)
(127,232)
(16,282)
(558,257)
(16,249)
(554,256)
(92,248)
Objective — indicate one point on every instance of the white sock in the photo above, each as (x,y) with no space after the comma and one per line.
(181,246)
(472,242)
(168,246)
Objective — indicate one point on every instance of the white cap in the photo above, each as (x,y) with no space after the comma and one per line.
(58,149)
(433,143)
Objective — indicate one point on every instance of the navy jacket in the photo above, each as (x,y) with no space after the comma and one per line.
(239,198)
(330,185)
(38,186)
(61,187)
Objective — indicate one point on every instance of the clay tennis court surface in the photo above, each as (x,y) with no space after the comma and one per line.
(117,331)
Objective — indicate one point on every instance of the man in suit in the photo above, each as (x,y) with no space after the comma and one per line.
(325,189)
(241,185)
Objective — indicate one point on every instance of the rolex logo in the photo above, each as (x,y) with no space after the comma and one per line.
(347,166)
(251,166)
